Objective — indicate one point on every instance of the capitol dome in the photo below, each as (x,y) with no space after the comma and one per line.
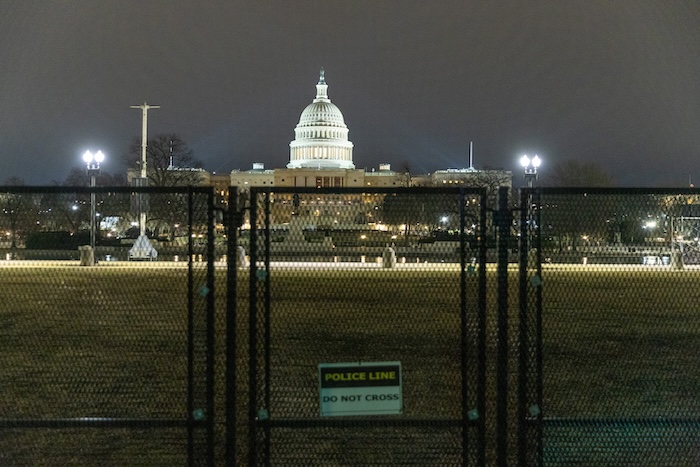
(321,136)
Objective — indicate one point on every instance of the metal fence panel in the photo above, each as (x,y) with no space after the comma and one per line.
(618,331)
(108,363)
(360,277)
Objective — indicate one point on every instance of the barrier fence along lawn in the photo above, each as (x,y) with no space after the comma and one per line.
(196,359)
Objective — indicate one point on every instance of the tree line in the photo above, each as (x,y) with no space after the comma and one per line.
(169,161)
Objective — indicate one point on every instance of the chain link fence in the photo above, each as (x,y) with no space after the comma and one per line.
(366,337)
(582,354)
(610,363)
(106,361)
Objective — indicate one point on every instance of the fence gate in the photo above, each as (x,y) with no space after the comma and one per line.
(609,329)
(108,363)
(366,334)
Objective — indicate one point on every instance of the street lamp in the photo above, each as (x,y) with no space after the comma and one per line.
(530,166)
(142,248)
(93,162)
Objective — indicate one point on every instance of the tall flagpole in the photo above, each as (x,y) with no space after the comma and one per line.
(471,155)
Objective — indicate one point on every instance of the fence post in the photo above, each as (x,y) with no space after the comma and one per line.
(253,331)
(234,222)
(530,331)
(211,331)
(503,226)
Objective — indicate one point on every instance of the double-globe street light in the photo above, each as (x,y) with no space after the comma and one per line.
(93,162)
(530,165)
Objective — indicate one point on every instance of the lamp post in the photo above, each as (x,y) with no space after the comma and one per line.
(93,162)
(144,174)
(530,166)
(142,248)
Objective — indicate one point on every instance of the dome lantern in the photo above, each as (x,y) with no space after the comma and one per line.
(322,88)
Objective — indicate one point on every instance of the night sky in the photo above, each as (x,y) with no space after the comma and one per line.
(613,82)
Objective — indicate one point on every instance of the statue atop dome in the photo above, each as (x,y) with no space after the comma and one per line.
(322,88)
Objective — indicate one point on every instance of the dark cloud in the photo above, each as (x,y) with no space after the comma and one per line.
(612,82)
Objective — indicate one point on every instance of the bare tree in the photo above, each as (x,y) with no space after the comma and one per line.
(574,173)
(169,161)
(79,177)
(14,209)
(69,210)
(404,176)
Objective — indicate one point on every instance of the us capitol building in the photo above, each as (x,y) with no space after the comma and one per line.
(321,156)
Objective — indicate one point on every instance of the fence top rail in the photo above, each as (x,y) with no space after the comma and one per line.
(370,190)
(609,191)
(24,189)
(617,422)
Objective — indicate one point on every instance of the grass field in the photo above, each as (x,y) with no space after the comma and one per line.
(111,341)
(101,342)
(622,345)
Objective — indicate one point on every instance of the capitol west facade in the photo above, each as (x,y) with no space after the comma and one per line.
(321,157)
